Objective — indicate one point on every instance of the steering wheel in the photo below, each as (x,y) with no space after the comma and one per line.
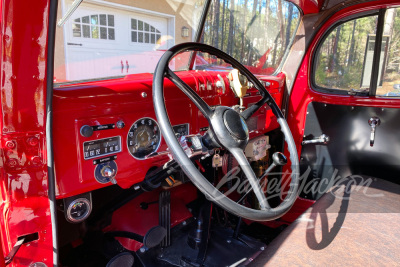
(228,129)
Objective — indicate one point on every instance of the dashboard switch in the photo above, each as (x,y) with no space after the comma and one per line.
(106,172)
(86,131)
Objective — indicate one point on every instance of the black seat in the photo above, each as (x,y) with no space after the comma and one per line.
(357,222)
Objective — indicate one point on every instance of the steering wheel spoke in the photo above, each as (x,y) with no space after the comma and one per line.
(251,177)
(193,96)
(247,113)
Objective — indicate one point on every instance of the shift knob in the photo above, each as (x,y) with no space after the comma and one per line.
(279,159)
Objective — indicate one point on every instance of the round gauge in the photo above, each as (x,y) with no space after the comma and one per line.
(78,210)
(144,138)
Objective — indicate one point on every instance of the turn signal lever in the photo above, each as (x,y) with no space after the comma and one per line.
(373,122)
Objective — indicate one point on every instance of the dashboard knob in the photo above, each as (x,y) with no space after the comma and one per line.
(120,124)
(86,131)
(106,172)
(109,173)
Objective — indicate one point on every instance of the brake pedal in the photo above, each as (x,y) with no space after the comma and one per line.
(164,216)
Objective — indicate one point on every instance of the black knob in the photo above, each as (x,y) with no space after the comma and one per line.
(279,159)
(86,131)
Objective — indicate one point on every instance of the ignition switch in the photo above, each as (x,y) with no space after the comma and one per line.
(106,172)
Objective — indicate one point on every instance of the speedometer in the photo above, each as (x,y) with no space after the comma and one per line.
(144,138)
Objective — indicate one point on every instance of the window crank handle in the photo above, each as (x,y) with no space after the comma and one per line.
(373,122)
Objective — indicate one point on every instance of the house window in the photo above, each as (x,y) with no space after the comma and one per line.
(97,26)
(142,32)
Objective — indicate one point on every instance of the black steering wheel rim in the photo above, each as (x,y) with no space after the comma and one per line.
(162,70)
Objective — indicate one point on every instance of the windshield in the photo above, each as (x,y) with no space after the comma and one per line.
(256,33)
(116,38)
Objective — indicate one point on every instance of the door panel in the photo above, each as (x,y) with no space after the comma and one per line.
(348,151)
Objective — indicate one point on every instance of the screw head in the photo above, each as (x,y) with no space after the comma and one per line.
(36,160)
(144,95)
(10,144)
(12,162)
(142,250)
(33,141)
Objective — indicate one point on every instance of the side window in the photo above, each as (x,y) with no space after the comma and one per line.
(389,77)
(345,58)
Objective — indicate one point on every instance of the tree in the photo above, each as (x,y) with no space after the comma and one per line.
(216,22)
(335,49)
(223,25)
(230,34)
(352,43)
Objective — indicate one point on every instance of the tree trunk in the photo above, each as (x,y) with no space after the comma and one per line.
(253,16)
(223,25)
(267,21)
(216,22)
(352,43)
(244,30)
(230,33)
(335,49)
(289,22)
(280,20)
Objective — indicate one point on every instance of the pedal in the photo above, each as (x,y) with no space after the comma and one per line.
(164,216)
(124,259)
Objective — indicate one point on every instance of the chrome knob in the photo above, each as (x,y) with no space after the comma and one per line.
(109,173)
(373,122)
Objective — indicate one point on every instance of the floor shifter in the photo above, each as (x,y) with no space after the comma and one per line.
(164,216)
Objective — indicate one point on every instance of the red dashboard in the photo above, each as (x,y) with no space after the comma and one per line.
(102,104)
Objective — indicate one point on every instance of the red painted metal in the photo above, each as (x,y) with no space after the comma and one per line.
(126,218)
(24,207)
(308,6)
(105,102)
(302,93)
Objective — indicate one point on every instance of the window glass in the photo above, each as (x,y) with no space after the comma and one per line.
(345,58)
(106,40)
(256,33)
(389,78)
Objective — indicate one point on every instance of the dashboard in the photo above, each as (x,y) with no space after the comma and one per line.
(106,132)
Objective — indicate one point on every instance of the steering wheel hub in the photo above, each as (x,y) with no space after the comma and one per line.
(236,125)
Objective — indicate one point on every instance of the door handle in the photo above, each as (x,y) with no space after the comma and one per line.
(373,122)
(323,139)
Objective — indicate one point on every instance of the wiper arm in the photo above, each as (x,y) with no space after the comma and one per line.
(69,12)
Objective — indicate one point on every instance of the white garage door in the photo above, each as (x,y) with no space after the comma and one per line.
(104,42)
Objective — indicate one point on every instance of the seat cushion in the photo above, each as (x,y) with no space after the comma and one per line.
(356,222)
